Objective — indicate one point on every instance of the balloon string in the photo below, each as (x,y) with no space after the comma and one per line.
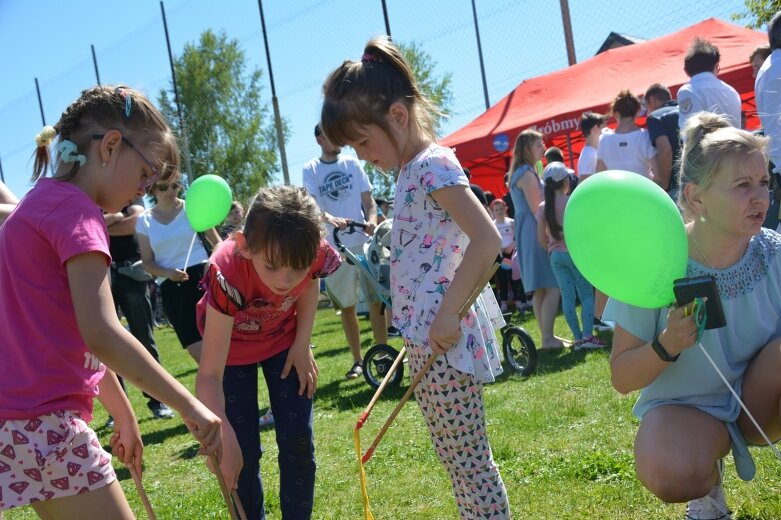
(187,260)
(742,405)
(700,319)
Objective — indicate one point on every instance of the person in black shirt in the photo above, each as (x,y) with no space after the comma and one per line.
(662,122)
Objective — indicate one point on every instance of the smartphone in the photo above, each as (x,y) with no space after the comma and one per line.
(687,289)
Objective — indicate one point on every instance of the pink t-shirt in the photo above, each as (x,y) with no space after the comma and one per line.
(264,323)
(46,366)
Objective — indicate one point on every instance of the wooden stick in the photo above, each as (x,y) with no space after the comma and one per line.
(237,503)
(380,389)
(398,408)
(140,488)
(464,309)
(226,496)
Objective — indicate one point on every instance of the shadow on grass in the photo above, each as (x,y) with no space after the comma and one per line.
(354,395)
(185,373)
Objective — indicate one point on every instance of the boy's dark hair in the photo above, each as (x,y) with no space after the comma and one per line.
(658,92)
(122,108)
(589,120)
(774,31)
(702,56)
(237,205)
(286,225)
(554,153)
(626,104)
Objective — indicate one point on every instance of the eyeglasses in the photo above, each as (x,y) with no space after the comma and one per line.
(155,173)
(164,187)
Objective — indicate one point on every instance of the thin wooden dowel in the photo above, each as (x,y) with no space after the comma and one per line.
(380,389)
(142,493)
(226,496)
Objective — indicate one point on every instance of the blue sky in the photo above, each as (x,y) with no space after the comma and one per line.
(50,40)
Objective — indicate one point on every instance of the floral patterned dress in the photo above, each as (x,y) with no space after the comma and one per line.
(426,249)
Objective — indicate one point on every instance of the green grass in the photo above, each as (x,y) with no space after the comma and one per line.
(562,439)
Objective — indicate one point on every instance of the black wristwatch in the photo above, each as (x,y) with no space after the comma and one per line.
(662,352)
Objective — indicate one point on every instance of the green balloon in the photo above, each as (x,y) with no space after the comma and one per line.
(627,237)
(207,202)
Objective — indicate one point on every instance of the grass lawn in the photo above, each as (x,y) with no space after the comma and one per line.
(562,439)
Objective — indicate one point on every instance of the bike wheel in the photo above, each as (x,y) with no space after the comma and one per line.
(377,362)
(519,350)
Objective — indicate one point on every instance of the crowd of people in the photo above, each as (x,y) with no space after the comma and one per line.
(245,296)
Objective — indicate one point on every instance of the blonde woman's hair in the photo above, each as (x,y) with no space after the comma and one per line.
(712,144)
(523,151)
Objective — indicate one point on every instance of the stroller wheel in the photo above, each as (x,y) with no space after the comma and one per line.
(519,350)
(377,362)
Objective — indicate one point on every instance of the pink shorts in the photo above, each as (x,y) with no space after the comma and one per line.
(52,456)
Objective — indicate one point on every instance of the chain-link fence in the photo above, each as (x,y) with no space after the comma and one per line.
(227,96)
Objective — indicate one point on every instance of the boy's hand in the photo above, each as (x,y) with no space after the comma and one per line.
(126,443)
(205,427)
(231,461)
(444,332)
(300,357)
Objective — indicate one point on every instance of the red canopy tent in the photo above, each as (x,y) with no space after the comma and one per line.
(553,103)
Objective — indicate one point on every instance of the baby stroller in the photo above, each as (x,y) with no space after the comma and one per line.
(518,347)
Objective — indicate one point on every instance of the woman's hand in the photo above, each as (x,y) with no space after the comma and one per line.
(300,357)
(126,443)
(681,332)
(177,275)
(444,331)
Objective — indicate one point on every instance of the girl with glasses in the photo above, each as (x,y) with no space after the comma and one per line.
(58,318)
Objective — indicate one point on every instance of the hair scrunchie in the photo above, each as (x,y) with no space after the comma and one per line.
(69,152)
(46,136)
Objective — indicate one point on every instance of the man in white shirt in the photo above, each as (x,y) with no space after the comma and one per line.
(343,192)
(706,92)
(767,89)
(591,125)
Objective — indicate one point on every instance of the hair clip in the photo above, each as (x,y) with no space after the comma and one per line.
(46,136)
(69,152)
(368,57)
(128,100)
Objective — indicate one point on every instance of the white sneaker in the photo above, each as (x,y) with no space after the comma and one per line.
(712,506)
(267,419)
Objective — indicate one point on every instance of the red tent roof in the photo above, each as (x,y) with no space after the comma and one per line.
(553,103)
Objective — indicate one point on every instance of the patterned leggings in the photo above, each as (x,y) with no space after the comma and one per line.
(452,405)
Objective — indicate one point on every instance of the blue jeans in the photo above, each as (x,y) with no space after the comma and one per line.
(571,281)
(294,435)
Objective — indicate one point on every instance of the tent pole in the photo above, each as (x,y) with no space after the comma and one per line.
(569,151)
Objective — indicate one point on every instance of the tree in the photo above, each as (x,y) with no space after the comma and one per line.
(229,130)
(758,12)
(436,89)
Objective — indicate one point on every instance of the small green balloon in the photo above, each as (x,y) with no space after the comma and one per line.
(627,237)
(207,202)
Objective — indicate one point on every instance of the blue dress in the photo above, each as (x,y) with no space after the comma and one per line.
(750,293)
(536,271)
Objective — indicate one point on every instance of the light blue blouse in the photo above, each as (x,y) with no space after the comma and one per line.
(750,293)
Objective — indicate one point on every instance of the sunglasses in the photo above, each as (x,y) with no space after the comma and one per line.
(155,173)
(164,187)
